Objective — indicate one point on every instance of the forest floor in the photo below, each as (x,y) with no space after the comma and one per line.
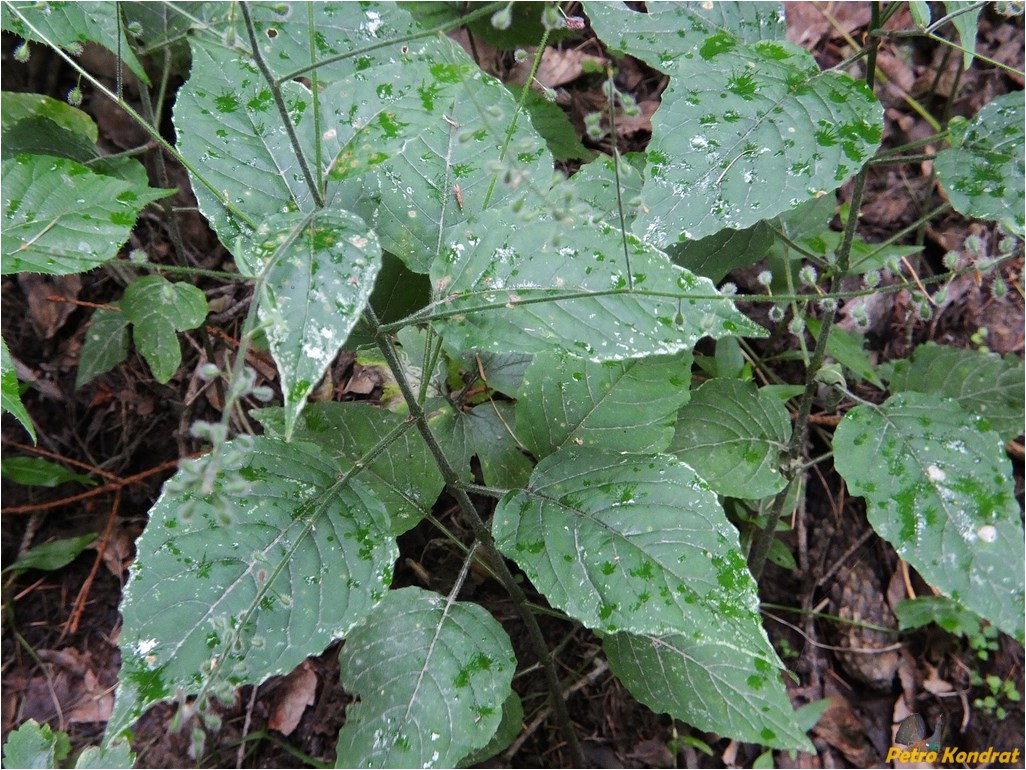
(60,628)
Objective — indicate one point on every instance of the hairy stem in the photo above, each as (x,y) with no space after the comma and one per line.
(762,538)
(484,537)
(283,110)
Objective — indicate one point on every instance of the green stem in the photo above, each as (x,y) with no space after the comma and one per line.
(283,110)
(484,536)
(427,313)
(516,113)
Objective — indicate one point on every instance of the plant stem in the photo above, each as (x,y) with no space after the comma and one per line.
(484,537)
(283,110)
(762,538)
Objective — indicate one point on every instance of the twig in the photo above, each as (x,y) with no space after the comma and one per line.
(83,595)
(601,666)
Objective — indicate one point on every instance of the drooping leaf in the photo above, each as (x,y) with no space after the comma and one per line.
(937,487)
(984,172)
(53,555)
(713,684)
(10,393)
(38,125)
(404,477)
(59,217)
(158,310)
(847,349)
(627,406)
(748,128)
(630,543)
(21,106)
(503,371)
(487,432)
(105,346)
(69,25)
(252,560)
(732,435)
(530,283)
(965,22)
(318,270)
(554,126)
(983,383)
(37,472)
(716,255)
(432,676)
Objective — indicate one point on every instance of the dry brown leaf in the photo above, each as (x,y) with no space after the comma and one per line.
(557,67)
(842,729)
(293,697)
(48,316)
(94,702)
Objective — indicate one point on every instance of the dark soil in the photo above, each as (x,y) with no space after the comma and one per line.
(60,629)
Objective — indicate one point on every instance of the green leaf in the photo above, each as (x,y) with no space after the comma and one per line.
(35,746)
(595,183)
(158,310)
(226,112)
(983,383)
(54,555)
(484,432)
(746,129)
(59,217)
(554,126)
(20,106)
(716,255)
(39,125)
(732,435)
(938,488)
(722,685)
(118,755)
(529,283)
(629,543)
(509,728)
(504,372)
(10,393)
(920,13)
(668,32)
(404,477)
(37,472)
(984,175)
(253,559)
(628,406)
(455,143)
(319,271)
(810,714)
(69,25)
(948,614)
(340,29)
(431,676)
(847,349)
(105,346)
(966,24)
